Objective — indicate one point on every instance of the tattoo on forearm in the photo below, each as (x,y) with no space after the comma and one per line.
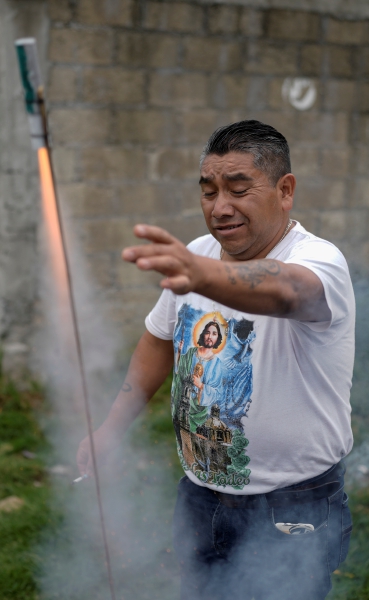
(126,387)
(253,274)
(230,276)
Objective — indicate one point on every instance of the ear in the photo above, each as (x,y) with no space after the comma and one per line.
(286,188)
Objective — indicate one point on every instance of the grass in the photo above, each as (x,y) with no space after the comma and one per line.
(25,479)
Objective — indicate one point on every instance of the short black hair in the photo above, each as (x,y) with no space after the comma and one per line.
(268,147)
(201,341)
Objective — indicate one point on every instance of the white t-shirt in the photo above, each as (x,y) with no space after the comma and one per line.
(274,409)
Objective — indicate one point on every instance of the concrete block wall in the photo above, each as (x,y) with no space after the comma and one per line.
(135,88)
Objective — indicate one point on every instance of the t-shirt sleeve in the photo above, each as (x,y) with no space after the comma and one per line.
(161,320)
(329,264)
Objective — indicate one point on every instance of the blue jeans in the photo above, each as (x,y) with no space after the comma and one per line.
(240,553)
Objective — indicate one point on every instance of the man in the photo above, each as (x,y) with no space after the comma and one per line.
(289,294)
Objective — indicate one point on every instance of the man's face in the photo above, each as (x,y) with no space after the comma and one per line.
(210,336)
(242,210)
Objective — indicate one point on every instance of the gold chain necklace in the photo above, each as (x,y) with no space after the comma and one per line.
(275,245)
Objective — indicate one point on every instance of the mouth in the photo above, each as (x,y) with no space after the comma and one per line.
(228,227)
(227,230)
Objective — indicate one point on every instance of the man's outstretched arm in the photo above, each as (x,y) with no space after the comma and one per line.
(263,286)
(150,364)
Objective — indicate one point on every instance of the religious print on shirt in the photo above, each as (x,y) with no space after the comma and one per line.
(212,395)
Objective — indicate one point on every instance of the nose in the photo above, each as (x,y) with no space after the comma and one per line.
(222,206)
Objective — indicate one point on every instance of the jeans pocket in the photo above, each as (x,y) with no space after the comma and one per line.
(314,514)
(346,528)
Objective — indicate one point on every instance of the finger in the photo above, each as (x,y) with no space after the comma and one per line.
(83,456)
(132,253)
(179,284)
(90,469)
(166,265)
(154,234)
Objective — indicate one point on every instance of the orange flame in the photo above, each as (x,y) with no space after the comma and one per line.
(54,241)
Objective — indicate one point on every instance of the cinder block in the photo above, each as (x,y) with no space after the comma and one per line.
(188,90)
(149,126)
(223,19)
(340,61)
(360,159)
(333,225)
(59,10)
(265,57)
(359,196)
(319,193)
(106,235)
(141,200)
(147,49)
(363,97)
(320,128)
(62,84)
(252,22)
(74,125)
(196,126)
(360,129)
(112,163)
(100,267)
(174,163)
(361,56)
(335,162)
(311,59)
(293,25)
(357,225)
(211,54)
(128,275)
(340,95)
(347,32)
(65,164)
(233,91)
(100,12)
(304,160)
(188,195)
(84,200)
(173,16)
(113,84)
(80,46)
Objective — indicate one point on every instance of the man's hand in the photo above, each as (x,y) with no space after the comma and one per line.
(104,444)
(168,256)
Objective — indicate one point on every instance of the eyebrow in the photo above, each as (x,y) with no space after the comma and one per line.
(206,179)
(234,177)
(237,177)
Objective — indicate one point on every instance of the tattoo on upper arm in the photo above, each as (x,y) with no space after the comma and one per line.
(126,387)
(253,274)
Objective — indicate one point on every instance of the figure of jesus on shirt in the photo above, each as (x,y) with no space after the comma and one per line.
(206,372)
